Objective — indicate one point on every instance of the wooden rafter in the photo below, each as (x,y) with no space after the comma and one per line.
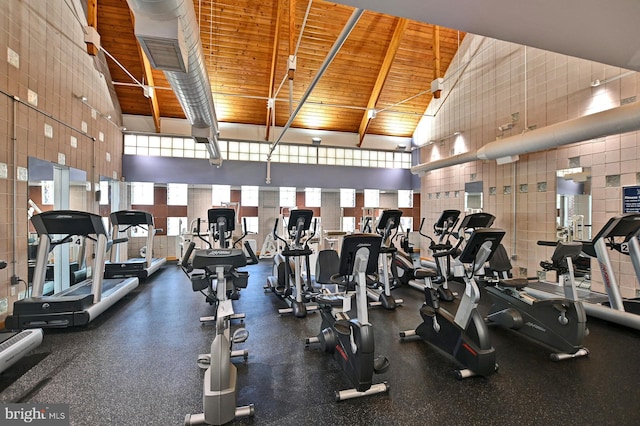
(292,32)
(92,21)
(148,77)
(436,57)
(274,57)
(401,26)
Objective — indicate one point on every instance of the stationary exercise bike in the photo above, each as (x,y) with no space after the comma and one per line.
(418,277)
(219,387)
(284,282)
(351,340)
(379,291)
(464,335)
(558,324)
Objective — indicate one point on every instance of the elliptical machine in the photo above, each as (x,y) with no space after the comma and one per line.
(379,291)
(287,285)
(559,324)
(417,277)
(464,335)
(221,223)
(351,340)
(219,387)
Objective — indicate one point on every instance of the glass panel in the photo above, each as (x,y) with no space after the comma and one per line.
(174,224)
(154,141)
(220,194)
(177,194)
(142,193)
(405,198)
(166,142)
(287,196)
(249,195)
(347,197)
(313,197)
(371,197)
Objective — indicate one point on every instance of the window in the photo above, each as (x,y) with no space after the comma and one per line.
(104,192)
(406,223)
(405,198)
(347,197)
(249,195)
(142,193)
(220,194)
(167,146)
(313,197)
(177,194)
(371,197)
(47,192)
(253,225)
(287,196)
(175,226)
(349,224)
(139,231)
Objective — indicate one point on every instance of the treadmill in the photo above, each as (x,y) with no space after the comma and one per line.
(119,266)
(82,302)
(620,233)
(14,346)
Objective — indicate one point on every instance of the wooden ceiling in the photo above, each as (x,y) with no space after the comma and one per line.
(386,64)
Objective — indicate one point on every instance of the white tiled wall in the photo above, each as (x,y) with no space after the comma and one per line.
(499,83)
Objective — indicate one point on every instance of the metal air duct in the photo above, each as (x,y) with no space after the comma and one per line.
(168,33)
(614,121)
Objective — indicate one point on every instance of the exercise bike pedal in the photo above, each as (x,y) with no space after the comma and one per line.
(204,360)
(381,364)
(240,335)
(445,294)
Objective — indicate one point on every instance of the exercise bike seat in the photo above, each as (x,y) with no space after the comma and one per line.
(425,273)
(329,300)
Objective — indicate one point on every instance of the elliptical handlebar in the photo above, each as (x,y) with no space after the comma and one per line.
(278,237)
(198,224)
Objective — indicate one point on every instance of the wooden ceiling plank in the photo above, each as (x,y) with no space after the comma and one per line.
(401,26)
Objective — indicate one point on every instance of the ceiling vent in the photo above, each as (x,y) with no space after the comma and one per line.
(163,44)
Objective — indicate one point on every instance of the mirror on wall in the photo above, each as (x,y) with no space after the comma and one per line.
(573,204)
(55,187)
(473,197)
(573,214)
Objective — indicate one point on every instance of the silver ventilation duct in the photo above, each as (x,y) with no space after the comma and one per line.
(168,33)
(614,121)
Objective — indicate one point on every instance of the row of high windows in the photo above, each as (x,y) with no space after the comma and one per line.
(182,147)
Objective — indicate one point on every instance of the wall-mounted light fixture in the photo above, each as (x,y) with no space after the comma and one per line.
(316,141)
(597,82)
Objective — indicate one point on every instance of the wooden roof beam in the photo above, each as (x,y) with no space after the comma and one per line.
(436,58)
(92,21)
(148,78)
(274,57)
(392,49)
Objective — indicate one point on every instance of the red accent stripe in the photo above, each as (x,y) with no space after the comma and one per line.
(341,352)
(470,349)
